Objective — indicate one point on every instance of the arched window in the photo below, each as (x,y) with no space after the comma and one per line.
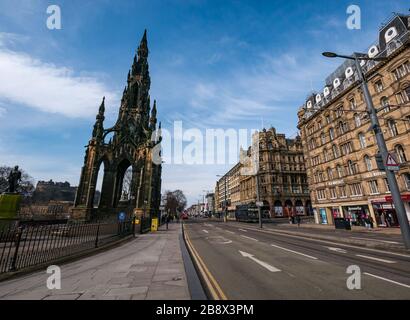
(384,102)
(368,163)
(323,137)
(401,156)
(331,133)
(330,173)
(335,151)
(362,140)
(392,127)
(325,155)
(351,167)
(339,170)
(357,120)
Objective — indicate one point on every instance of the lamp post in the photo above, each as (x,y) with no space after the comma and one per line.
(391,178)
(258,200)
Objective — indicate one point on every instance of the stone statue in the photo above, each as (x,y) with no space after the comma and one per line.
(13,179)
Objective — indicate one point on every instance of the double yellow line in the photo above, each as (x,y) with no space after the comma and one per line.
(210,282)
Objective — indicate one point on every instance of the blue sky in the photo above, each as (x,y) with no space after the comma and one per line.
(213,64)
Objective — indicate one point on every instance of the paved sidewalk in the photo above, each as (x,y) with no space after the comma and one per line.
(148,267)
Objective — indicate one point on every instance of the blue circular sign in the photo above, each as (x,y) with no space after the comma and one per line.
(121,216)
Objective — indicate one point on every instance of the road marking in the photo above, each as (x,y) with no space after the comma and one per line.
(263,264)
(395,242)
(206,231)
(286,249)
(208,225)
(249,238)
(210,281)
(337,249)
(277,232)
(374,258)
(243,230)
(230,231)
(395,282)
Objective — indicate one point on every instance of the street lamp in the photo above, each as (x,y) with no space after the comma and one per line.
(391,178)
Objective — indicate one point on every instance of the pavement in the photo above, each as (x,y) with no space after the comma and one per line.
(149,267)
(245,262)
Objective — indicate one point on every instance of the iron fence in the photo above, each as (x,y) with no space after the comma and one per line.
(28,245)
(145,224)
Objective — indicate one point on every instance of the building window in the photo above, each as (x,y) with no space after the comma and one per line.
(351,167)
(378,86)
(342,192)
(401,71)
(373,186)
(357,120)
(346,148)
(406,178)
(362,140)
(407,92)
(339,111)
(323,138)
(368,163)
(319,124)
(401,156)
(356,189)
(325,155)
(339,170)
(333,194)
(335,151)
(400,98)
(321,194)
(330,173)
(352,103)
(386,185)
(328,119)
(392,127)
(331,133)
(384,102)
(343,127)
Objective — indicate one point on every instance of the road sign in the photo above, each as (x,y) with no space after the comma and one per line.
(391,163)
(121,216)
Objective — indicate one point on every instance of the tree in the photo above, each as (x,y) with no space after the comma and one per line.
(175,202)
(26,184)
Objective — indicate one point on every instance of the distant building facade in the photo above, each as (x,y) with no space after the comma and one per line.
(283,187)
(339,145)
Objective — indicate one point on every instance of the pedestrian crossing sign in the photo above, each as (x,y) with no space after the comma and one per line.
(391,163)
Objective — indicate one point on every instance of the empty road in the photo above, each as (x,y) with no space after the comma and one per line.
(248,263)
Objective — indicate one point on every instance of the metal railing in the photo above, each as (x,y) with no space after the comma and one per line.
(29,245)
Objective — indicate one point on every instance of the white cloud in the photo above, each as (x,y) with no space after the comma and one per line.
(47,87)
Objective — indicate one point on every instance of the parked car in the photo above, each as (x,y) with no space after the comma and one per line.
(184,216)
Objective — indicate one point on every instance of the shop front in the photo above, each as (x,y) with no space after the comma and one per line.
(385,214)
(336,213)
(357,214)
(323,216)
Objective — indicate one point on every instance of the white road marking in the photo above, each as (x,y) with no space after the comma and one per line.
(206,231)
(337,249)
(277,232)
(395,242)
(230,231)
(249,238)
(208,225)
(302,254)
(263,264)
(243,230)
(374,258)
(395,282)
